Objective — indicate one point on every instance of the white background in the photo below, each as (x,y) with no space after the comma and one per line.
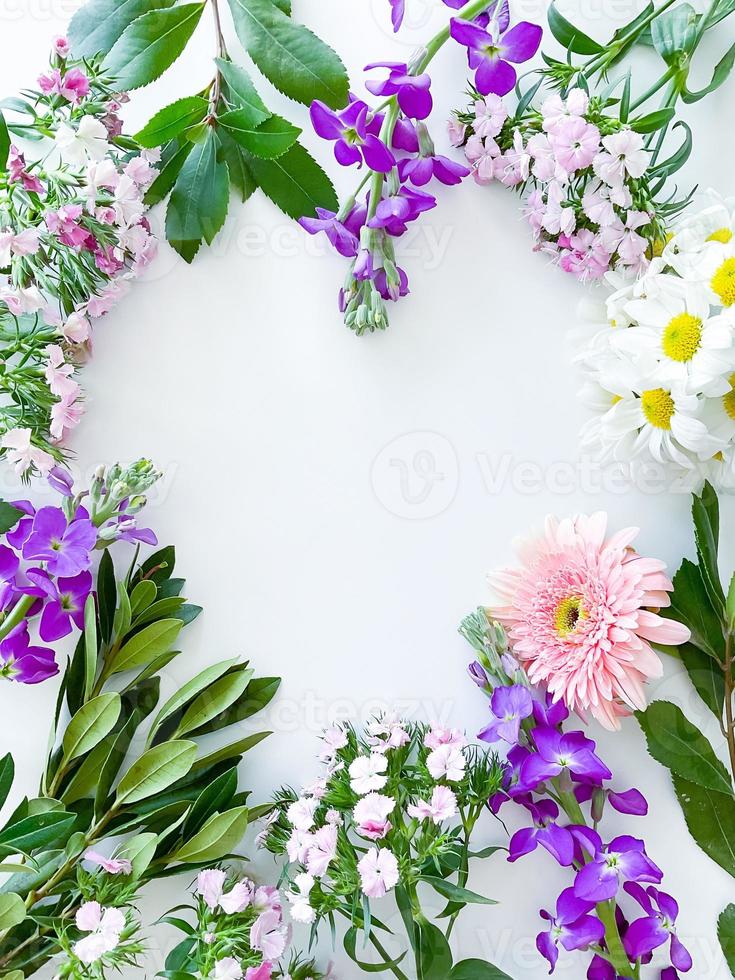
(337,501)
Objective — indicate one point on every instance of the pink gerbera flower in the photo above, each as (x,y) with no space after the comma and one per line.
(579,616)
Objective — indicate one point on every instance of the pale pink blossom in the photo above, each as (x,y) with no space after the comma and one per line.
(113,866)
(301,812)
(26,242)
(584,255)
(76,328)
(104,926)
(443,806)
(66,414)
(378,872)
(58,373)
(268,935)
(27,299)
(456,131)
(140,172)
(334,739)
(210,883)
(624,156)
(579,615)
(22,454)
(298,844)
(534,210)
(301,909)
(237,898)
(559,217)
(60,45)
(366,773)
(322,850)
(575,143)
(371,815)
(437,736)
(447,762)
(262,972)
(544,166)
(227,968)
(490,114)
(104,301)
(266,897)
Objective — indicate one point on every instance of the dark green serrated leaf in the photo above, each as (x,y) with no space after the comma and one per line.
(294,182)
(726,935)
(241,178)
(173,120)
(267,140)
(707,677)
(151,44)
(569,36)
(198,204)
(9,515)
(290,56)
(680,746)
(690,605)
(241,93)
(167,175)
(96,26)
(710,818)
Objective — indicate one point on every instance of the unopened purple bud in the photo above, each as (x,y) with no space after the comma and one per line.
(477,674)
(61,481)
(510,664)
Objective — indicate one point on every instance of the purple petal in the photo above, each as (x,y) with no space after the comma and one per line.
(469,35)
(55,622)
(586,930)
(522,842)
(495,76)
(377,155)
(450,172)
(547,947)
(521,42)
(680,954)
(643,936)
(559,843)
(631,801)
(398,9)
(535,770)
(596,882)
(415,101)
(600,969)
(347,154)
(325,121)
(9,564)
(569,907)
(405,136)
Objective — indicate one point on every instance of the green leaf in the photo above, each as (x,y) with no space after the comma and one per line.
(86,778)
(12,910)
(167,174)
(219,836)
(296,61)
(7,773)
(184,694)
(710,818)
(350,944)
(680,746)
(90,644)
(140,850)
(690,605)
(142,596)
(706,675)
(214,798)
(96,26)
(674,32)
(214,699)
(267,140)
(653,120)
(90,724)
(433,955)
(231,751)
(726,935)
(719,75)
(457,894)
(158,567)
(476,970)
(569,36)
(254,698)
(30,833)
(9,515)
(172,121)
(123,615)
(4,150)
(113,760)
(155,770)
(151,642)
(706,517)
(294,182)
(241,179)
(198,204)
(241,92)
(677,160)
(151,44)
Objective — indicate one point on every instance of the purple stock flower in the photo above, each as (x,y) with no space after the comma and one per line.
(61,480)
(656,927)
(550,714)
(125,528)
(572,926)
(623,859)
(343,235)
(412,91)
(397,12)
(557,840)
(395,212)
(556,753)
(64,547)
(421,169)
(392,288)
(405,136)
(490,57)
(65,604)
(350,131)
(630,801)
(24,663)
(509,705)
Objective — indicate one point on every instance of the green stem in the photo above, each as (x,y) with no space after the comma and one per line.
(600,62)
(382,951)
(17,613)
(729,720)
(667,76)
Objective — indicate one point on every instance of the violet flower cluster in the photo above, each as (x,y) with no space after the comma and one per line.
(613,910)
(583,173)
(46,562)
(73,234)
(393,142)
(239,933)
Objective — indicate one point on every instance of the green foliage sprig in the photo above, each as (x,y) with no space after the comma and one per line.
(176,805)
(223,137)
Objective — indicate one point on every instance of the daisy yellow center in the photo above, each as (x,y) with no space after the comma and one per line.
(728,400)
(567,615)
(656,248)
(720,235)
(658,407)
(723,282)
(682,337)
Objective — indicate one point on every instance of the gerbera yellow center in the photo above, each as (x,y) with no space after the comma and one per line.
(720,235)
(682,337)
(568,613)
(728,400)
(657,246)
(723,282)
(658,407)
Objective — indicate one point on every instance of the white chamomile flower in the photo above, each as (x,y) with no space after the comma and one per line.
(676,342)
(715,223)
(714,267)
(719,414)
(664,425)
